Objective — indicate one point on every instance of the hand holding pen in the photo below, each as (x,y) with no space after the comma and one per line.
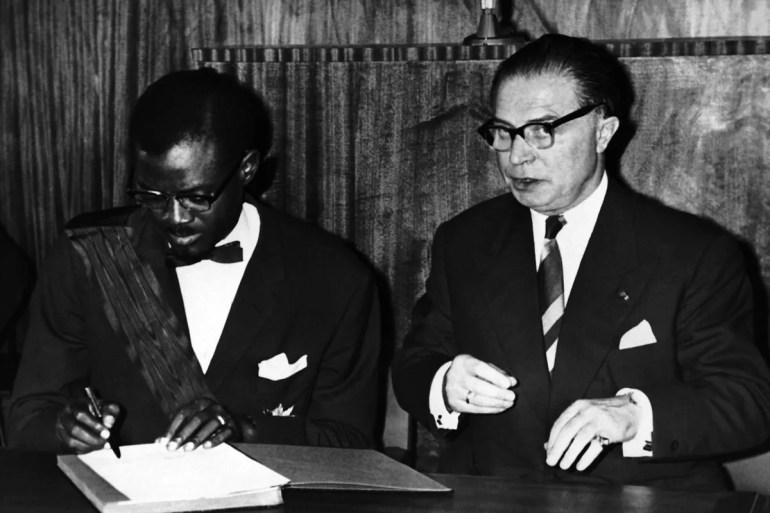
(96,409)
(84,425)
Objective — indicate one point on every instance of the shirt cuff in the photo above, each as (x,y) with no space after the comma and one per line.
(641,445)
(444,419)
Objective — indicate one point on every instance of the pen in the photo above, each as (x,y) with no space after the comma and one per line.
(98,412)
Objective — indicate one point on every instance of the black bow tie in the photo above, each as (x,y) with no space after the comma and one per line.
(225,254)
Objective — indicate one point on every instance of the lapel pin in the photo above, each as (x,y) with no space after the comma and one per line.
(622,294)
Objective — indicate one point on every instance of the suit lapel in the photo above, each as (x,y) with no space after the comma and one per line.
(253,304)
(508,279)
(609,280)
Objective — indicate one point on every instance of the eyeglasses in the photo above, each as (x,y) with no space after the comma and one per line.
(539,134)
(157,200)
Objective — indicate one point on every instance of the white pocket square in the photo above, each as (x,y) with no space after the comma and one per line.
(639,335)
(278,367)
(280,412)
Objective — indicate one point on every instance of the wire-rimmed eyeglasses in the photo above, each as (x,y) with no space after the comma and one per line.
(157,200)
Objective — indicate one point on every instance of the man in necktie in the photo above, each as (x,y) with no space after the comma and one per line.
(199,315)
(574,330)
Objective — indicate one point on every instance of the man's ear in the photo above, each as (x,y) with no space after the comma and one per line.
(249,166)
(605,129)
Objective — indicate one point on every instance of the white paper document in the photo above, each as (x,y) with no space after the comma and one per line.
(148,472)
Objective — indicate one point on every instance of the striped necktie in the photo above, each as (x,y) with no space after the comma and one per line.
(550,282)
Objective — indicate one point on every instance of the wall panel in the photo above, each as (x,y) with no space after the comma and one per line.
(71,69)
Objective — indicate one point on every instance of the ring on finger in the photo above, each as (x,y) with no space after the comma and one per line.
(221,420)
(601,440)
(468,397)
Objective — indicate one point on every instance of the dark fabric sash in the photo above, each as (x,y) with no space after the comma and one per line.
(154,338)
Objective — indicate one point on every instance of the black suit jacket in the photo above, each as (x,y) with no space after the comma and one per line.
(708,386)
(303,293)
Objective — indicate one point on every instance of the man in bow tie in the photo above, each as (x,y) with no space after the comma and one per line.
(575,330)
(198,315)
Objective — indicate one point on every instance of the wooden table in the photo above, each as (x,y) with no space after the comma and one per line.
(31,482)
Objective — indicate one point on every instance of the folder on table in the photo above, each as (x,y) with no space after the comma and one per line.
(147,478)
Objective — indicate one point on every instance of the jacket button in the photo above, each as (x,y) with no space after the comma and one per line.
(674,445)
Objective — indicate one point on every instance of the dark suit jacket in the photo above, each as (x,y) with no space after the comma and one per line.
(707,383)
(16,277)
(303,293)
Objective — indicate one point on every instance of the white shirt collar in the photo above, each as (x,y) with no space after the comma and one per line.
(246,230)
(581,217)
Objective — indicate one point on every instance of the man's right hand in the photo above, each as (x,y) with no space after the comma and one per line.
(79,431)
(473,386)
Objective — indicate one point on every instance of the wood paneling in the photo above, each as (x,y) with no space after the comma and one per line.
(71,69)
(634,19)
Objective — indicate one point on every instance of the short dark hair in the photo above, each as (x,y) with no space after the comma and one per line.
(201,104)
(600,76)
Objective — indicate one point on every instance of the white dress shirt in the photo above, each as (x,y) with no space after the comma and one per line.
(208,288)
(572,239)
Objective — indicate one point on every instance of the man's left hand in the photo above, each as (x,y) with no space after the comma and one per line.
(203,422)
(586,426)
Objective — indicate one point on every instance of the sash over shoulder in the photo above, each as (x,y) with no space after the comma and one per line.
(134,304)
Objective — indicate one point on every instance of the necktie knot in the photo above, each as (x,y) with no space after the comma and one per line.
(229,253)
(554,224)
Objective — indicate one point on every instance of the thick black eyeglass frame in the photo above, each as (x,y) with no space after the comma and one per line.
(180,198)
(548,126)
